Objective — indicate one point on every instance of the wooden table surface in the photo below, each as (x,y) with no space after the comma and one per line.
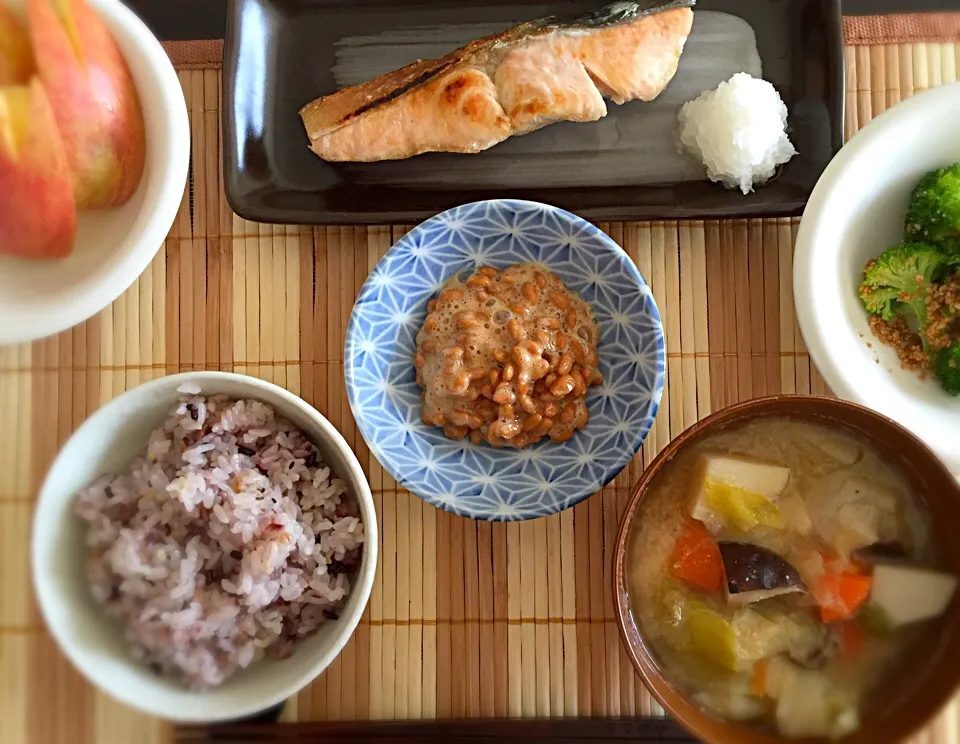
(467,619)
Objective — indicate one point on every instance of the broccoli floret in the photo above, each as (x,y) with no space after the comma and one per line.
(880,301)
(947,368)
(934,213)
(900,278)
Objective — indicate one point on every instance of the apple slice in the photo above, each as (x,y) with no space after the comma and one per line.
(94,100)
(38,217)
(16,57)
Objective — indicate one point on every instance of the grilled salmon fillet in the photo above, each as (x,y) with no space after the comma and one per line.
(512,83)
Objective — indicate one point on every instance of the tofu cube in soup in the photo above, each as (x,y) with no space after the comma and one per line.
(909,594)
(733,492)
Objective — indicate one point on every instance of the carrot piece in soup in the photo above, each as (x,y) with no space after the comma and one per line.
(840,595)
(758,681)
(696,558)
(849,636)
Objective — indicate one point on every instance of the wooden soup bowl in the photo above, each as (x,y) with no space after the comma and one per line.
(913,693)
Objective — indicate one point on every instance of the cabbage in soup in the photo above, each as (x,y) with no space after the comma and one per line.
(777,570)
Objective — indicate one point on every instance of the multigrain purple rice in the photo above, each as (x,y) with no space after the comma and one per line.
(225,542)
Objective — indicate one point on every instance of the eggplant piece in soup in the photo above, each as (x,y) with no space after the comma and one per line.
(757,575)
(754,573)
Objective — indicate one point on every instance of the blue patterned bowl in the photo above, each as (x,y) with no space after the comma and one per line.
(479,481)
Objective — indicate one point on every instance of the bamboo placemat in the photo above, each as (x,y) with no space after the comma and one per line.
(466,619)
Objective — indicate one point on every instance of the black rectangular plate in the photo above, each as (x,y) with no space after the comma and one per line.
(278,55)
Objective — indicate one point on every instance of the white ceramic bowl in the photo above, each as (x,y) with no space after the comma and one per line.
(856,212)
(114,246)
(106,442)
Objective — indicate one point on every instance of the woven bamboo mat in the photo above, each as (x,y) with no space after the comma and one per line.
(466,619)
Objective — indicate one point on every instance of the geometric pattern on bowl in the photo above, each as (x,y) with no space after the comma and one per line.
(478,481)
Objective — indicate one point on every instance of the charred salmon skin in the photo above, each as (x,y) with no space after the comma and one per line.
(512,83)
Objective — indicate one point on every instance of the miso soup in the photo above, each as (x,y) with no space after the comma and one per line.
(778,570)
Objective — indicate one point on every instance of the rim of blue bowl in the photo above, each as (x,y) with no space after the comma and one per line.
(656,393)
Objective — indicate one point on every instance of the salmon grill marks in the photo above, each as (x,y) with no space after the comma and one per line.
(334,111)
(457,111)
(453,88)
(512,83)
(394,93)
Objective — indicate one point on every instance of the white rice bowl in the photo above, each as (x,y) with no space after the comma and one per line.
(194,558)
(227,539)
(738,131)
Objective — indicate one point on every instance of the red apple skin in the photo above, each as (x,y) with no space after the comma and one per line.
(94,100)
(38,216)
(16,57)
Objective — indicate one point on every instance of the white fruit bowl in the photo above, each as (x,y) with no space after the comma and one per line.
(114,246)
(855,213)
